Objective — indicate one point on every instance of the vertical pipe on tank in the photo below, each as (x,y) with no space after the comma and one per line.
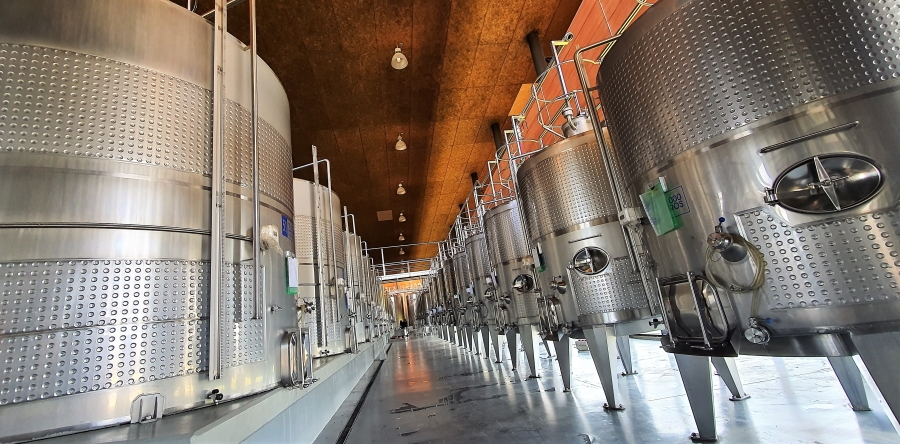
(537,53)
(334,268)
(254,134)
(317,215)
(635,246)
(217,227)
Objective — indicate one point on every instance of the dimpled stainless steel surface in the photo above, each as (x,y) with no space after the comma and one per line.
(105,157)
(480,267)
(756,58)
(450,292)
(619,289)
(479,264)
(462,276)
(242,332)
(560,189)
(802,84)
(568,205)
(506,244)
(275,181)
(120,110)
(331,332)
(503,228)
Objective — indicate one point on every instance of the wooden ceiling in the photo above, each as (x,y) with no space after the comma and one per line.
(467,61)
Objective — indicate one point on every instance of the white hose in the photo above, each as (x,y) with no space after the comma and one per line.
(756,258)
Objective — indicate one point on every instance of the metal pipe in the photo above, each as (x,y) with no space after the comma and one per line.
(605,153)
(231,4)
(498,136)
(334,267)
(217,208)
(513,170)
(404,245)
(562,78)
(349,262)
(317,214)
(331,237)
(383,268)
(537,53)
(254,136)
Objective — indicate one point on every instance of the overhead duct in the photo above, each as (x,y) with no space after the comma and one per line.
(537,53)
(499,140)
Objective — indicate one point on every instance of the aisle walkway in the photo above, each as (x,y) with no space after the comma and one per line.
(431,391)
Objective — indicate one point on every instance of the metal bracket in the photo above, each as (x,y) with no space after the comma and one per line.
(147,408)
(770,198)
(631,216)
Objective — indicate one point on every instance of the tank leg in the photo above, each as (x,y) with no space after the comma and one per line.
(879,353)
(473,340)
(602,344)
(697,379)
(851,380)
(495,341)
(727,370)
(486,341)
(547,346)
(528,341)
(564,357)
(623,345)
(511,343)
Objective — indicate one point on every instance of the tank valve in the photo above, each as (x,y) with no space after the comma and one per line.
(756,333)
(720,239)
(655,323)
(215,396)
(724,242)
(559,284)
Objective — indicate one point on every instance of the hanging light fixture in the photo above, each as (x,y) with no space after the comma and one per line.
(400,190)
(402,218)
(399,60)
(402,237)
(402,252)
(400,145)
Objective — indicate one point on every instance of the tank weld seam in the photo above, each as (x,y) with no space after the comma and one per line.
(89,327)
(591,223)
(827,104)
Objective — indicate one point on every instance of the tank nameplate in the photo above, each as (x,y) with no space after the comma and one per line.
(751,60)
(619,288)
(836,264)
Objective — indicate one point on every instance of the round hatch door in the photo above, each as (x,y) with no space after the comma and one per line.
(828,184)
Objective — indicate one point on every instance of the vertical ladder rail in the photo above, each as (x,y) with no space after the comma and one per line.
(217,209)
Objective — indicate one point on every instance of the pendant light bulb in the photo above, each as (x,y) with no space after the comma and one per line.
(400,190)
(402,218)
(399,60)
(400,145)
(402,252)
(403,238)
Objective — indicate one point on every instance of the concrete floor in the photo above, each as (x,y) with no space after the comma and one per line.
(432,391)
